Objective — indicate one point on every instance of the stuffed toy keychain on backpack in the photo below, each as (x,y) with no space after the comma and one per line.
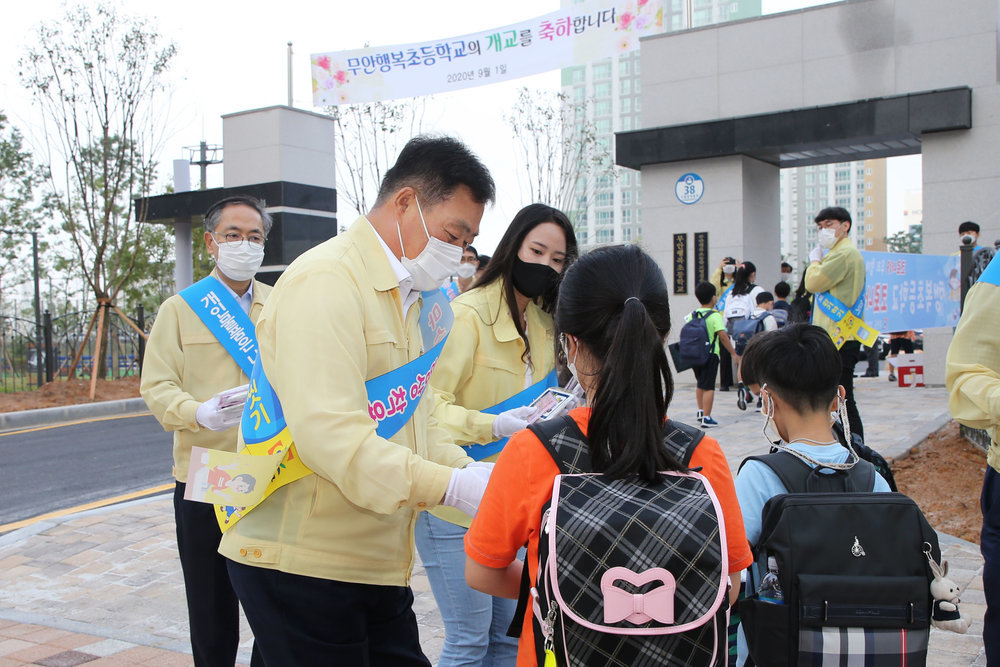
(945,614)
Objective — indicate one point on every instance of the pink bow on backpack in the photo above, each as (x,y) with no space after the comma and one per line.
(620,605)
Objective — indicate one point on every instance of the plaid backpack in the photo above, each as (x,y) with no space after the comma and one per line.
(630,573)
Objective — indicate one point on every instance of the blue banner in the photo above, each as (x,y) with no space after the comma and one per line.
(520,399)
(219,311)
(906,291)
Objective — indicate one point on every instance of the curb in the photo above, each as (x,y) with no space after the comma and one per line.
(44,416)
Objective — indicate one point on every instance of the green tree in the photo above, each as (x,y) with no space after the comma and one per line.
(909,242)
(20,208)
(100,81)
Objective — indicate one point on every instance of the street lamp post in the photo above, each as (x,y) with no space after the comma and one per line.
(38,301)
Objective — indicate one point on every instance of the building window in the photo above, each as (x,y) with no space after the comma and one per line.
(578,75)
(605,235)
(869,242)
(602,90)
(810,178)
(602,71)
(626,195)
(626,122)
(635,64)
(579,93)
(868,185)
(869,198)
(638,104)
(626,178)
(602,126)
(627,234)
(626,104)
(602,108)
(605,218)
(606,198)
(626,86)
(624,67)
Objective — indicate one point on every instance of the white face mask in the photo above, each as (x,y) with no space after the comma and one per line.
(466,270)
(239,261)
(787,277)
(435,263)
(827,238)
(571,365)
(729,269)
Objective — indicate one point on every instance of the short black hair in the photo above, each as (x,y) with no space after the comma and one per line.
(483,261)
(705,291)
(435,167)
(799,363)
(214,212)
(968,226)
(834,213)
(764,297)
(471,249)
(782,290)
(786,265)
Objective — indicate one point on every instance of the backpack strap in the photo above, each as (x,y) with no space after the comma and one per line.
(681,440)
(567,446)
(565,443)
(796,475)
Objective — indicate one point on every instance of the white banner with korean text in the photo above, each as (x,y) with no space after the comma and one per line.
(571,36)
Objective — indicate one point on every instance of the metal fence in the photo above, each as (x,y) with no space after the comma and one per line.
(62,340)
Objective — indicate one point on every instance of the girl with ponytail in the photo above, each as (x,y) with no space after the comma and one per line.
(614,316)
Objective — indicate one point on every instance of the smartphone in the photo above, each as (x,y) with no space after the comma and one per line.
(552,402)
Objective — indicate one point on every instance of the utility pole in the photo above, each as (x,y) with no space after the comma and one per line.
(206,155)
(290,75)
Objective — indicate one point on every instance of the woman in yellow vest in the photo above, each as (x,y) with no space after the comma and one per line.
(502,344)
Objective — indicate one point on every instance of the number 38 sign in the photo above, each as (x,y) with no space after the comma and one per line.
(689,188)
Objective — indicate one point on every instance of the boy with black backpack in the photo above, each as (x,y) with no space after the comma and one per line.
(760,320)
(840,569)
(701,335)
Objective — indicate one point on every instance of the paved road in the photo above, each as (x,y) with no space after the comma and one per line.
(57,467)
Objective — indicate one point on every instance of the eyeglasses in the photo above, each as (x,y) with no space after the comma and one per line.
(236,237)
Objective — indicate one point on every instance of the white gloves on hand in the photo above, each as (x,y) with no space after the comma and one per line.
(510,422)
(816,254)
(466,487)
(222,411)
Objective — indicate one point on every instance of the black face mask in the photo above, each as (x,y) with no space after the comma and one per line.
(533,280)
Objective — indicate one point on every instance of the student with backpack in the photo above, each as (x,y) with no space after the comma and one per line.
(782,309)
(760,320)
(613,310)
(739,307)
(797,369)
(701,336)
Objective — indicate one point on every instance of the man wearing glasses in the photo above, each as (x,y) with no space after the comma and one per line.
(836,278)
(194,377)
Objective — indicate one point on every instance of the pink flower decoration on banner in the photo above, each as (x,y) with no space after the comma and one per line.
(328,83)
(642,3)
(626,20)
(642,22)
(324,62)
(341,77)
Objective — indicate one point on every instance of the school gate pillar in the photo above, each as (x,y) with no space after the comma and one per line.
(738,208)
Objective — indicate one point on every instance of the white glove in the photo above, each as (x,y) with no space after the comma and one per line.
(466,487)
(510,422)
(216,418)
(816,254)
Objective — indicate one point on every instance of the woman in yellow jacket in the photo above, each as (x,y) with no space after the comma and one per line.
(500,353)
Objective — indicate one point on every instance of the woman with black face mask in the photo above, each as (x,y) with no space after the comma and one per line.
(499,356)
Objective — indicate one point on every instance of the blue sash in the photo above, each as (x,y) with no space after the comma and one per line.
(721,305)
(522,398)
(220,312)
(392,400)
(992,273)
(851,322)
(451,290)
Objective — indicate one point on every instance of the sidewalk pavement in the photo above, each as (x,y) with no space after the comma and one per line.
(104,587)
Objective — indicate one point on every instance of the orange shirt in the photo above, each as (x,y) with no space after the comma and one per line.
(510,513)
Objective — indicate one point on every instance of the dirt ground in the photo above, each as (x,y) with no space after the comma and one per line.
(944,474)
(69,392)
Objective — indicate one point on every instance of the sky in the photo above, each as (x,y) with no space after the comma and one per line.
(233,57)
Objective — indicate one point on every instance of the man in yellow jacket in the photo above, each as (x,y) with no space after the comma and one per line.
(185,377)
(973,379)
(836,270)
(322,565)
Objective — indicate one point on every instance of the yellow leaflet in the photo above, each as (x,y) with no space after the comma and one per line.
(283,467)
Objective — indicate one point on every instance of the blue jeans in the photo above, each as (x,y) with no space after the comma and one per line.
(990,547)
(475,624)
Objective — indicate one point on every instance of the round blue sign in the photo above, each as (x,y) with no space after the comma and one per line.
(689,188)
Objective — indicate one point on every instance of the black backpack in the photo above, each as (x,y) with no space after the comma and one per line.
(696,345)
(852,568)
(603,545)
